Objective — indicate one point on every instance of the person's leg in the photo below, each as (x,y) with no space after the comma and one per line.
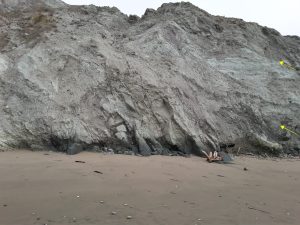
(215,154)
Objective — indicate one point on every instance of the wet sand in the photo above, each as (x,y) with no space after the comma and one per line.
(51,188)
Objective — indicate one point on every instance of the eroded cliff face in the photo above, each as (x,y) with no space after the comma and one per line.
(178,80)
(13,5)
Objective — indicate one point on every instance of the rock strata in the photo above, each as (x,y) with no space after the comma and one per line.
(175,81)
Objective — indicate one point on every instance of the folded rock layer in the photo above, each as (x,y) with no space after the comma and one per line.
(175,81)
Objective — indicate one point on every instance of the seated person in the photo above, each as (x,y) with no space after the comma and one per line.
(217,157)
(214,156)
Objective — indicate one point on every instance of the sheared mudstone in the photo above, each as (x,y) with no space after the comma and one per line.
(143,147)
(262,142)
(175,81)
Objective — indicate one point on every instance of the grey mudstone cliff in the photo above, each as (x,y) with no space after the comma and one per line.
(175,81)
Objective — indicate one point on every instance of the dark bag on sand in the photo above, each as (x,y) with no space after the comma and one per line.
(225,158)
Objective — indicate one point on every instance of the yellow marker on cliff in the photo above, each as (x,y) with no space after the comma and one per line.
(282,63)
(284,128)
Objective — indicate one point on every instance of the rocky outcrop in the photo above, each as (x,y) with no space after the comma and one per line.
(261,142)
(14,5)
(175,81)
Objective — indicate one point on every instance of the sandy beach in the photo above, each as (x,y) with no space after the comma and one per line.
(52,188)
